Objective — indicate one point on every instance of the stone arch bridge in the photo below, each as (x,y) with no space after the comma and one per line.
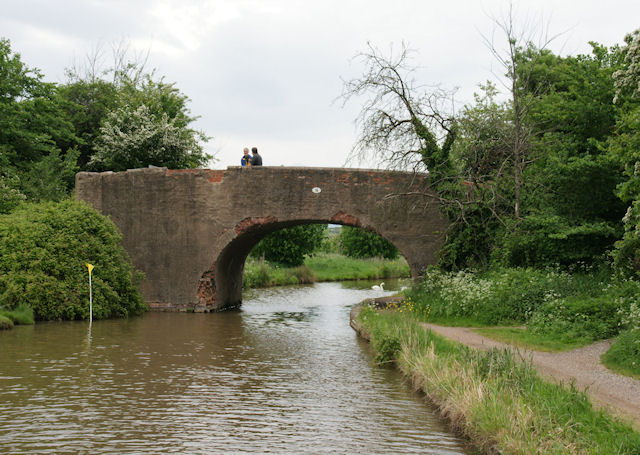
(191,230)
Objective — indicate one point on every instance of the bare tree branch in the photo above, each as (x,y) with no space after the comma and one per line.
(395,109)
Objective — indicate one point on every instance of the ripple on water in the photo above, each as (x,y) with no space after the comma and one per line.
(284,375)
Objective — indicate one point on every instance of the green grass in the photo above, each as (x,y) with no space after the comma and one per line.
(623,356)
(22,314)
(494,398)
(459,321)
(525,339)
(336,267)
(322,267)
(259,273)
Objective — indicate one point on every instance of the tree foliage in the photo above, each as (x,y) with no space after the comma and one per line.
(43,251)
(625,145)
(403,124)
(129,118)
(133,139)
(358,243)
(530,176)
(291,245)
(35,135)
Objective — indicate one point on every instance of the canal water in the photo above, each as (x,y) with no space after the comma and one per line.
(286,374)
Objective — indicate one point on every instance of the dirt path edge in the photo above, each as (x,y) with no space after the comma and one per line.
(615,393)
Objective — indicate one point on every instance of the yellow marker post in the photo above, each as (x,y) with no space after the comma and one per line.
(90,268)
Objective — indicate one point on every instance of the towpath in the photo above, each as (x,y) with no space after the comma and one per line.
(618,394)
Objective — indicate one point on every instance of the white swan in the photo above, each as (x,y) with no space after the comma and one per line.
(375,287)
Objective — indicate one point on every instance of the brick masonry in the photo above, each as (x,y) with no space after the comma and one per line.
(190,230)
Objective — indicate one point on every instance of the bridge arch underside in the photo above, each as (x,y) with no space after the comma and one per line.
(220,287)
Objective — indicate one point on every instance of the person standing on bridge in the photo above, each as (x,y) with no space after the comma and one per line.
(257,159)
(246,158)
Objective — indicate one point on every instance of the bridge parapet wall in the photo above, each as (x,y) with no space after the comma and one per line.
(190,230)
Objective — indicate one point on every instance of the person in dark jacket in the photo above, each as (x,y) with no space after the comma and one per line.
(257,159)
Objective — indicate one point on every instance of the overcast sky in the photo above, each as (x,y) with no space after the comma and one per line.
(267,72)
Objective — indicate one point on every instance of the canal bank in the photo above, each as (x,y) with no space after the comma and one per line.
(494,397)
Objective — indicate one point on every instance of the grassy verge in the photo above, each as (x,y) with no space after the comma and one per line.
(497,401)
(336,267)
(259,273)
(624,355)
(22,314)
(322,267)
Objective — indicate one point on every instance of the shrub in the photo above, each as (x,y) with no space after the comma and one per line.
(289,246)
(508,296)
(386,347)
(43,251)
(5,323)
(358,243)
(540,240)
(588,318)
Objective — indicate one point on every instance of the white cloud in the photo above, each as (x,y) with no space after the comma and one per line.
(265,72)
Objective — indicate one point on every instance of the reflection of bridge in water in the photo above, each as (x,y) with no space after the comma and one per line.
(191,230)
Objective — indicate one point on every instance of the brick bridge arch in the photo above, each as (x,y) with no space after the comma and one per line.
(191,230)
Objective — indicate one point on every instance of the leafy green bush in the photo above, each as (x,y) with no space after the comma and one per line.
(358,243)
(331,243)
(43,251)
(497,297)
(572,318)
(542,240)
(289,246)
(626,254)
(468,243)
(386,347)
(5,323)
(506,296)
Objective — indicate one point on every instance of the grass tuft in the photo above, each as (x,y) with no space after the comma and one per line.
(22,314)
(624,355)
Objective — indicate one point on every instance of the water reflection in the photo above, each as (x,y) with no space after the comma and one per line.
(286,374)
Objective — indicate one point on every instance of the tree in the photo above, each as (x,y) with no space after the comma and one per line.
(522,92)
(407,126)
(34,131)
(133,139)
(359,243)
(120,106)
(289,246)
(625,144)
(570,211)
(89,103)
(401,123)
(10,194)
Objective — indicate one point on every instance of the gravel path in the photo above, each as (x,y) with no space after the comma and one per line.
(618,394)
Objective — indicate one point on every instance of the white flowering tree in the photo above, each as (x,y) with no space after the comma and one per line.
(626,145)
(128,117)
(134,138)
